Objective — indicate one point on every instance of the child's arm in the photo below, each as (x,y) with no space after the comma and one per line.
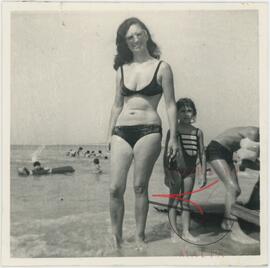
(202,175)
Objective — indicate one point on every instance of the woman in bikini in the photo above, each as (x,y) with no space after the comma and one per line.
(135,127)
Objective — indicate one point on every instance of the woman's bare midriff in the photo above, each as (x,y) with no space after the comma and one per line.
(140,110)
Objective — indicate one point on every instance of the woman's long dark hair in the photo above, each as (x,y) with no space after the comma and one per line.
(124,55)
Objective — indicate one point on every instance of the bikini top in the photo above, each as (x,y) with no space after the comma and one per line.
(153,88)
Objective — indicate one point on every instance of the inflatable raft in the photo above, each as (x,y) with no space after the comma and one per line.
(45,171)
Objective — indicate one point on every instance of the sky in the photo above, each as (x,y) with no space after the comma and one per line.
(63,82)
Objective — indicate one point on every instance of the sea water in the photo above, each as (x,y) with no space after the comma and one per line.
(67,215)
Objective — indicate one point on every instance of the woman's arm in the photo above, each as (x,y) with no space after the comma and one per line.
(168,178)
(165,155)
(116,107)
(168,91)
(203,160)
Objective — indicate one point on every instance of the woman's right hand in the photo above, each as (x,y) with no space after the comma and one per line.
(173,149)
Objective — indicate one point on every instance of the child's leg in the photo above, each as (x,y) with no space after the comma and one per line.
(188,185)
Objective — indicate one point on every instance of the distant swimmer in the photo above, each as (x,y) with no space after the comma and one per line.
(87,153)
(99,154)
(93,154)
(38,170)
(71,153)
(97,166)
(79,151)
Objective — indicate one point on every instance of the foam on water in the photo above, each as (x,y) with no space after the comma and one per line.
(65,215)
(68,215)
(37,153)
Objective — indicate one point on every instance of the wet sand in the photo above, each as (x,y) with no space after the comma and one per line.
(213,241)
(68,216)
(222,244)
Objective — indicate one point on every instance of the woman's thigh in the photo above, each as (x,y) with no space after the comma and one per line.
(146,152)
(121,158)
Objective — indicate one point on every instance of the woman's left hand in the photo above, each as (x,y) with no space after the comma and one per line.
(173,149)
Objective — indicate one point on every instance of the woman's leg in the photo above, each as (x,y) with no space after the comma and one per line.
(121,158)
(188,185)
(228,176)
(146,152)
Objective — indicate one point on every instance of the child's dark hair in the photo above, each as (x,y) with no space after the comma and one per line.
(186,102)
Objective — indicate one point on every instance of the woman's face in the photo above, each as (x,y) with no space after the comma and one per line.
(136,38)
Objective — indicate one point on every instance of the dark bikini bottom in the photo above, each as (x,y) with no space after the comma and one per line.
(131,134)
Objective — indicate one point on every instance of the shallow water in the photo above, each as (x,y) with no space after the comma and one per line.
(65,215)
(68,215)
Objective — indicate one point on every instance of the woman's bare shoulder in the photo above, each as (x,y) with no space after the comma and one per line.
(164,65)
(165,69)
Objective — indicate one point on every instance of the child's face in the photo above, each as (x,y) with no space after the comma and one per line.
(185,114)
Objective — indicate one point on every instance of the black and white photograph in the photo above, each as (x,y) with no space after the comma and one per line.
(134,130)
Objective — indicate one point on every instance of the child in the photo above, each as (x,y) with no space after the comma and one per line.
(180,172)
(97,166)
(99,154)
(93,154)
(87,154)
(37,166)
(39,170)
(79,151)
